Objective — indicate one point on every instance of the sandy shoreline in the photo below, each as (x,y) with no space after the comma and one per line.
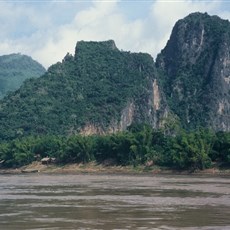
(93,168)
(69,168)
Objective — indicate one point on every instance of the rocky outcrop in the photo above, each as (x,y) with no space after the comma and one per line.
(127,116)
(196,71)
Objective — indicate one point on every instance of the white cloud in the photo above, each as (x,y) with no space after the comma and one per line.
(49,30)
(101,21)
(86,25)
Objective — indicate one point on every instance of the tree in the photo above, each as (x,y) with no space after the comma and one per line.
(221,148)
(191,150)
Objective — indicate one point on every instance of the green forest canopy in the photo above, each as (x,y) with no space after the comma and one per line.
(192,150)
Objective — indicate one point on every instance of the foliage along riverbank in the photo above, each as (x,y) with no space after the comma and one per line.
(139,146)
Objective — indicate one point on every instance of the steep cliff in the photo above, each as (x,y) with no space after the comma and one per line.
(98,90)
(16,68)
(195,71)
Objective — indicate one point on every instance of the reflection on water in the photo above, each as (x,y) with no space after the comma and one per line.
(113,202)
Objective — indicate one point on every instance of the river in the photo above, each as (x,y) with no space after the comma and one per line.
(53,202)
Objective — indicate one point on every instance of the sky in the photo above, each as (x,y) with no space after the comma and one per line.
(48,30)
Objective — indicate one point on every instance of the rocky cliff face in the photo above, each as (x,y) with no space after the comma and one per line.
(195,71)
(145,104)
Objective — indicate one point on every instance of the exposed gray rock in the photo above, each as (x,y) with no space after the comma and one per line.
(195,67)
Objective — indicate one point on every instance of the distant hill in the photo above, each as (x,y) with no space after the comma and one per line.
(14,69)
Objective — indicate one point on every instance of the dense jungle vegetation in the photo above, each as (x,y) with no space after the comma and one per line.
(191,150)
(92,87)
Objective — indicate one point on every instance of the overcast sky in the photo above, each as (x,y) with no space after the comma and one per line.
(47,30)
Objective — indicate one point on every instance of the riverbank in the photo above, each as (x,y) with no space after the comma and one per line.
(94,168)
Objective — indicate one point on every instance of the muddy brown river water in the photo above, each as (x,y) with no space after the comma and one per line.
(53,202)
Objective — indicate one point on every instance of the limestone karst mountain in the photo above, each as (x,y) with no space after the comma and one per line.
(195,71)
(102,89)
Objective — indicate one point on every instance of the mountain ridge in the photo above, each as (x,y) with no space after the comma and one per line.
(101,89)
(98,90)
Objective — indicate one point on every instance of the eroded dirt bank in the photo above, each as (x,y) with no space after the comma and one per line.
(38,167)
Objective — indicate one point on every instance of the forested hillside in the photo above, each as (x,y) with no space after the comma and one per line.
(99,89)
(15,69)
(102,103)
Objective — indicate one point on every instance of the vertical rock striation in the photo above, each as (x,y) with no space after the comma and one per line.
(195,67)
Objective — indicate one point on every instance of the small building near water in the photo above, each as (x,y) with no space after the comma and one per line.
(48,160)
